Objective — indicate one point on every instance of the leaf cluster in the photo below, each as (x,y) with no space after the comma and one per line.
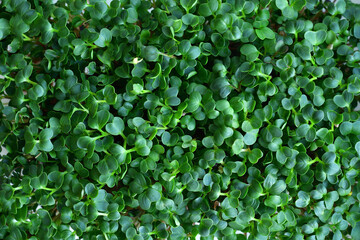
(165,119)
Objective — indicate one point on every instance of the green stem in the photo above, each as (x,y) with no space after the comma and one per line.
(145,91)
(243,15)
(7,135)
(91,45)
(182,189)
(313,62)
(123,136)
(18,188)
(31,82)
(348,108)
(101,136)
(163,105)
(125,141)
(106,237)
(267,77)
(167,55)
(315,160)
(177,41)
(7,77)
(26,38)
(223,194)
(87,111)
(52,190)
(130,150)
(176,171)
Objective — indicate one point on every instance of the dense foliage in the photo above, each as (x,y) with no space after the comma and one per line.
(169,119)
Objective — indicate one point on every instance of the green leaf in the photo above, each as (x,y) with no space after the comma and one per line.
(304,52)
(330,199)
(110,95)
(44,140)
(281,4)
(250,137)
(193,53)
(315,38)
(355,232)
(144,201)
(204,228)
(207,179)
(153,195)
(278,187)
(250,51)
(237,146)
(91,190)
(272,201)
(204,10)
(255,155)
(104,39)
(265,33)
(4,28)
(116,127)
(356,30)
(151,53)
(194,102)
(303,200)
(132,15)
(188,4)
(298,4)
(66,215)
(357,148)
(141,147)
(264,225)
(99,120)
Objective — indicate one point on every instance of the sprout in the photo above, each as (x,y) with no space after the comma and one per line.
(164,119)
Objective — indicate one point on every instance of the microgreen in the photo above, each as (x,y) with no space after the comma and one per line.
(164,119)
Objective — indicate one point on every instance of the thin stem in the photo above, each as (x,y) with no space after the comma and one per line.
(101,136)
(7,135)
(166,55)
(18,188)
(130,150)
(26,38)
(83,108)
(348,108)
(31,82)
(123,136)
(124,145)
(106,237)
(313,62)
(7,77)
(145,91)
(315,160)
